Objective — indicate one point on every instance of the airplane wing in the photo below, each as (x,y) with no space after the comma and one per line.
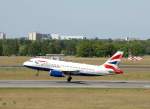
(67,70)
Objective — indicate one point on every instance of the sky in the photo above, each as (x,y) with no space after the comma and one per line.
(92,18)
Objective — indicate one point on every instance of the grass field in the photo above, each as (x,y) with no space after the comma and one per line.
(98,61)
(18,60)
(74,98)
(12,60)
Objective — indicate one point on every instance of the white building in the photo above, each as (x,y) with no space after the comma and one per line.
(38,36)
(2,35)
(32,36)
(55,36)
(66,37)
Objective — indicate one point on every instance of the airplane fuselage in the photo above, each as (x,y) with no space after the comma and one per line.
(58,68)
(74,68)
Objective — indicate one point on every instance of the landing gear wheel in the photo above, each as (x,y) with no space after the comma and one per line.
(69,79)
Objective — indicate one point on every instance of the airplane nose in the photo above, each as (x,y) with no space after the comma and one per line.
(24,64)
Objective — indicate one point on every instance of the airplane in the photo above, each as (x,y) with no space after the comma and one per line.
(57,68)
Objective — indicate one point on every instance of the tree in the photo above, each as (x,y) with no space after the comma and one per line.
(34,48)
(1,48)
(23,50)
(136,48)
(69,47)
(85,49)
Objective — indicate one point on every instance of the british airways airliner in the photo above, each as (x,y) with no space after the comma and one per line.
(58,68)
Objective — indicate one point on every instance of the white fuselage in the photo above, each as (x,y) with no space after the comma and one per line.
(75,68)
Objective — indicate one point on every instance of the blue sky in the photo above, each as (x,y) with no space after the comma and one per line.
(94,18)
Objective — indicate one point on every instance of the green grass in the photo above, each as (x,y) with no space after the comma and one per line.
(98,61)
(12,60)
(64,98)
(18,60)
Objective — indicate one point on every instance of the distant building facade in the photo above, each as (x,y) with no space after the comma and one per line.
(66,37)
(55,36)
(2,35)
(38,36)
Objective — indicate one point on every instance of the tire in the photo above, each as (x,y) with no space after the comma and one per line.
(69,79)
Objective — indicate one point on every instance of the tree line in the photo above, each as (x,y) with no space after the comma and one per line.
(81,48)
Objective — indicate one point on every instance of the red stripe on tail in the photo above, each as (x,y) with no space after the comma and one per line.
(117,71)
(117,57)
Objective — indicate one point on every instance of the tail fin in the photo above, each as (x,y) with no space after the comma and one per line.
(114,61)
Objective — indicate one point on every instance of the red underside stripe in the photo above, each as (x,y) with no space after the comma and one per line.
(117,71)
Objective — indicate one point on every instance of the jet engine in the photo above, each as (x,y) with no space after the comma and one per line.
(56,73)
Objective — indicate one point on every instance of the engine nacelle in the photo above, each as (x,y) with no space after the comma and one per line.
(56,73)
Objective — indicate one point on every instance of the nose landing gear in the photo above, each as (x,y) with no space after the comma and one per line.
(37,73)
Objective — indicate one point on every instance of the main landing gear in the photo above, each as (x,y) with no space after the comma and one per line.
(69,78)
